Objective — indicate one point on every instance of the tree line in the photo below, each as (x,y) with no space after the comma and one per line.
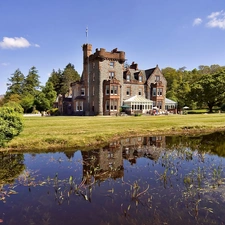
(199,88)
(203,87)
(28,92)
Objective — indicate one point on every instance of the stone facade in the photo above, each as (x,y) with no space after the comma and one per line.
(105,84)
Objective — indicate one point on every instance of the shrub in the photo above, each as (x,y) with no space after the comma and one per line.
(53,112)
(223,107)
(11,124)
(16,106)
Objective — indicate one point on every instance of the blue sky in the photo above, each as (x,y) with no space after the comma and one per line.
(48,34)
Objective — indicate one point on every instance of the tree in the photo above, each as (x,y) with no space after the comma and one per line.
(15,85)
(13,98)
(31,82)
(27,102)
(41,102)
(56,78)
(49,92)
(210,90)
(69,75)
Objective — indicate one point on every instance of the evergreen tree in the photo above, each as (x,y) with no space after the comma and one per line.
(56,78)
(15,85)
(69,75)
(32,83)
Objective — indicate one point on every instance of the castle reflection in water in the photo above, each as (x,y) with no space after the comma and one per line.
(107,162)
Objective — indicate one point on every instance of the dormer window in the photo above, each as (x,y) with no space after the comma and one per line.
(128,78)
(140,78)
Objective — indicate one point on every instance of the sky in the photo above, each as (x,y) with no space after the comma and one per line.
(48,34)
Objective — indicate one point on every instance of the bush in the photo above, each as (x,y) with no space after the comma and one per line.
(11,124)
(16,106)
(223,107)
(53,112)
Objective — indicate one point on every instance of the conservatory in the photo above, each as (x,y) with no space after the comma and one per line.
(138,104)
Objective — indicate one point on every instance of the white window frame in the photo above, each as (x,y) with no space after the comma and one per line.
(79,106)
(159,91)
(111,75)
(111,64)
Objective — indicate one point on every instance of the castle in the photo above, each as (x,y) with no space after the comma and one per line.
(108,86)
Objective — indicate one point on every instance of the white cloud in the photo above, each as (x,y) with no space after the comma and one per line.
(197,21)
(4,64)
(16,42)
(216,19)
(36,45)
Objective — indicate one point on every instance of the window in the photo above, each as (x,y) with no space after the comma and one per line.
(139,92)
(157,78)
(79,106)
(107,105)
(111,64)
(111,75)
(128,91)
(159,104)
(93,90)
(113,89)
(154,92)
(140,78)
(159,91)
(82,92)
(93,65)
(107,89)
(93,76)
(128,78)
(113,105)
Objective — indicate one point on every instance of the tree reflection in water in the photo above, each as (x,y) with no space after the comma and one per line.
(139,180)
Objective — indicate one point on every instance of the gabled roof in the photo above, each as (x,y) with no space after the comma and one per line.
(149,72)
(135,73)
(138,98)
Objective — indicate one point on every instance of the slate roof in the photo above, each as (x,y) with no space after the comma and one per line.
(134,74)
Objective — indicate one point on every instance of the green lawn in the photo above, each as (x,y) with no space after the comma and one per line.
(41,133)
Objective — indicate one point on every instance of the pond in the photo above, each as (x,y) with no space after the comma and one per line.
(141,180)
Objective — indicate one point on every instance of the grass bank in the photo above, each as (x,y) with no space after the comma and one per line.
(42,133)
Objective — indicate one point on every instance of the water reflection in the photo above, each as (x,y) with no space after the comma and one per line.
(139,180)
(11,166)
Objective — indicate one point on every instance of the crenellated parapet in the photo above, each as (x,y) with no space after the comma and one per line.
(102,54)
